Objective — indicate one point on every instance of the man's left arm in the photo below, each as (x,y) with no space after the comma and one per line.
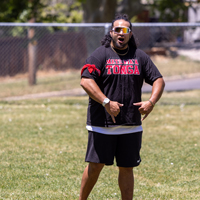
(147,106)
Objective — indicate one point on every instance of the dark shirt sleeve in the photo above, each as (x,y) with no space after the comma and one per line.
(94,64)
(151,72)
(91,69)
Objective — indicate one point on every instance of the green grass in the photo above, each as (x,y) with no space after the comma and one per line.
(42,148)
(43,142)
(43,145)
(16,86)
(47,82)
(179,66)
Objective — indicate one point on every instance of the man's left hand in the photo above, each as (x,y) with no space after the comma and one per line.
(145,108)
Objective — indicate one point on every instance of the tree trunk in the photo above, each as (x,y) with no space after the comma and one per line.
(130,7)
(108,12)
(99,10)
(96,11)
(32,56)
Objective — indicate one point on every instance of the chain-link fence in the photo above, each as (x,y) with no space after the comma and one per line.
(66,46)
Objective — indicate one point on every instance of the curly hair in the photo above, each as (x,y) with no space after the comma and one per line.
(107,38)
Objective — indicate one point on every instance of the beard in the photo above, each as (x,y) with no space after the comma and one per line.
(119,46)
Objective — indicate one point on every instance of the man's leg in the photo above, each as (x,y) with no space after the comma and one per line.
(90,177)
(126,182)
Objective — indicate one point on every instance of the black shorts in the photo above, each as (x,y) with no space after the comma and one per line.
(124,148)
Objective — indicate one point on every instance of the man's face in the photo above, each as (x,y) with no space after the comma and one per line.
(121,38)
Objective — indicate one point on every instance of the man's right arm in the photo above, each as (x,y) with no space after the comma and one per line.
(93,90)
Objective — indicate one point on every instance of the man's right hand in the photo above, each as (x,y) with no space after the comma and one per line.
(93,90)
(113,108)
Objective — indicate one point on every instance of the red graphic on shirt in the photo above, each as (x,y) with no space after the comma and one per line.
(126,67)
(90,68)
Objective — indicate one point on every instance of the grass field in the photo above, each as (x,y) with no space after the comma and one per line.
(46,82)
(57,81)
(43,146)
(43,142)
(181,66)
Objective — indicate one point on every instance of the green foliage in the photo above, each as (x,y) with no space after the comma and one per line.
(11,9)
(40,11)
(32,10)
(81,1)
(62,13)
(171,10)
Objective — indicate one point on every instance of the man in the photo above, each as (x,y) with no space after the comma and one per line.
(112,77)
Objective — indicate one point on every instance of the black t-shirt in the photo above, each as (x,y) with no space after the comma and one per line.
(120,78)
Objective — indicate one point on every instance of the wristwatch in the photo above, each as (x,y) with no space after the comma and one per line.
(105,101)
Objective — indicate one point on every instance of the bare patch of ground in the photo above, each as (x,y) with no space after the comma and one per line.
(193,54)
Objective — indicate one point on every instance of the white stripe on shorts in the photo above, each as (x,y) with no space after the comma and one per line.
(115,130)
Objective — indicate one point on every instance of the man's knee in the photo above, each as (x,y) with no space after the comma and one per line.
(95,167)
(126,169)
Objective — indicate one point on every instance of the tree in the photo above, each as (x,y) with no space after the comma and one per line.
(10,10)
(104,10)
(63,11)
(171,10)
(38,11)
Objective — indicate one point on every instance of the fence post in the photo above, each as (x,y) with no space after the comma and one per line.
(32,55)
(106,26)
